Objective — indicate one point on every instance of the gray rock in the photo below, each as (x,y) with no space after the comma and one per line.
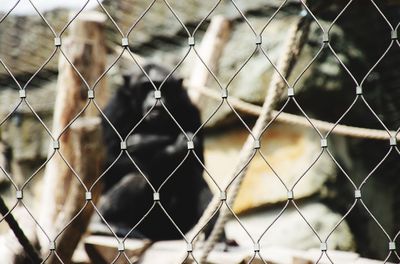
(291,231)
(22,130)
(252,82)
(5,160)
(23,37)
(289,152)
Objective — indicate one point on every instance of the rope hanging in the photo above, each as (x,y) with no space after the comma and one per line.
(296,40)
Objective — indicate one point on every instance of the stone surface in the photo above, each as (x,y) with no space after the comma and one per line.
(288,151)
(4,164)
(23,132)
(290,230)
(26,42)
(156,37)
(252,82)
(30,37)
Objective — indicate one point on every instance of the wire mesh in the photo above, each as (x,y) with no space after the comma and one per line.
(190,32)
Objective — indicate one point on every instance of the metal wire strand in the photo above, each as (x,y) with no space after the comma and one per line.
(267,117)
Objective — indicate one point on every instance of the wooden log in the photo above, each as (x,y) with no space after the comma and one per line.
(104,249)
(171,252)
(85,49)
(88,151)
(211,48)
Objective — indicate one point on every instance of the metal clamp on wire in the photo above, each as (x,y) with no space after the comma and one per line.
(125,42)
(191,41)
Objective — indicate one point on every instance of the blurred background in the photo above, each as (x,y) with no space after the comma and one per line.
(359,37)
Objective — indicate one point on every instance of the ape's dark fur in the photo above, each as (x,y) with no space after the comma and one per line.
(157,146)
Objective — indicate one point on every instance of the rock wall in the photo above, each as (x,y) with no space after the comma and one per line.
(325,91)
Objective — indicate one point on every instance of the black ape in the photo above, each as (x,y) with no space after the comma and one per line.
(158,147)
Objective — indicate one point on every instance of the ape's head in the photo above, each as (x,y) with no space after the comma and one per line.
(140,92)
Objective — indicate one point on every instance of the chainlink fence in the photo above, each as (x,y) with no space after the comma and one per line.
(281,87)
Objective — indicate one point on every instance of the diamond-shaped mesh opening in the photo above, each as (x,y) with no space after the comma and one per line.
(40,53)
(349,31)
(159,10)
(359,214)
(284,218)
(325,68)
(377,95)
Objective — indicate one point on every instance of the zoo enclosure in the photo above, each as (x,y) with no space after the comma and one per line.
(279,86)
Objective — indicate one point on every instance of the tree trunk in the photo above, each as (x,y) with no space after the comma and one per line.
(89,154)
(85,49)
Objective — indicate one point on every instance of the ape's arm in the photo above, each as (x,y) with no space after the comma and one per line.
(145,144)
(174,153)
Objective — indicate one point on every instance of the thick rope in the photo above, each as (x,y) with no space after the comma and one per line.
(296,40)
(323,126)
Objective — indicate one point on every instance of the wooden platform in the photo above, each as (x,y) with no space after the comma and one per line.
(104,250)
